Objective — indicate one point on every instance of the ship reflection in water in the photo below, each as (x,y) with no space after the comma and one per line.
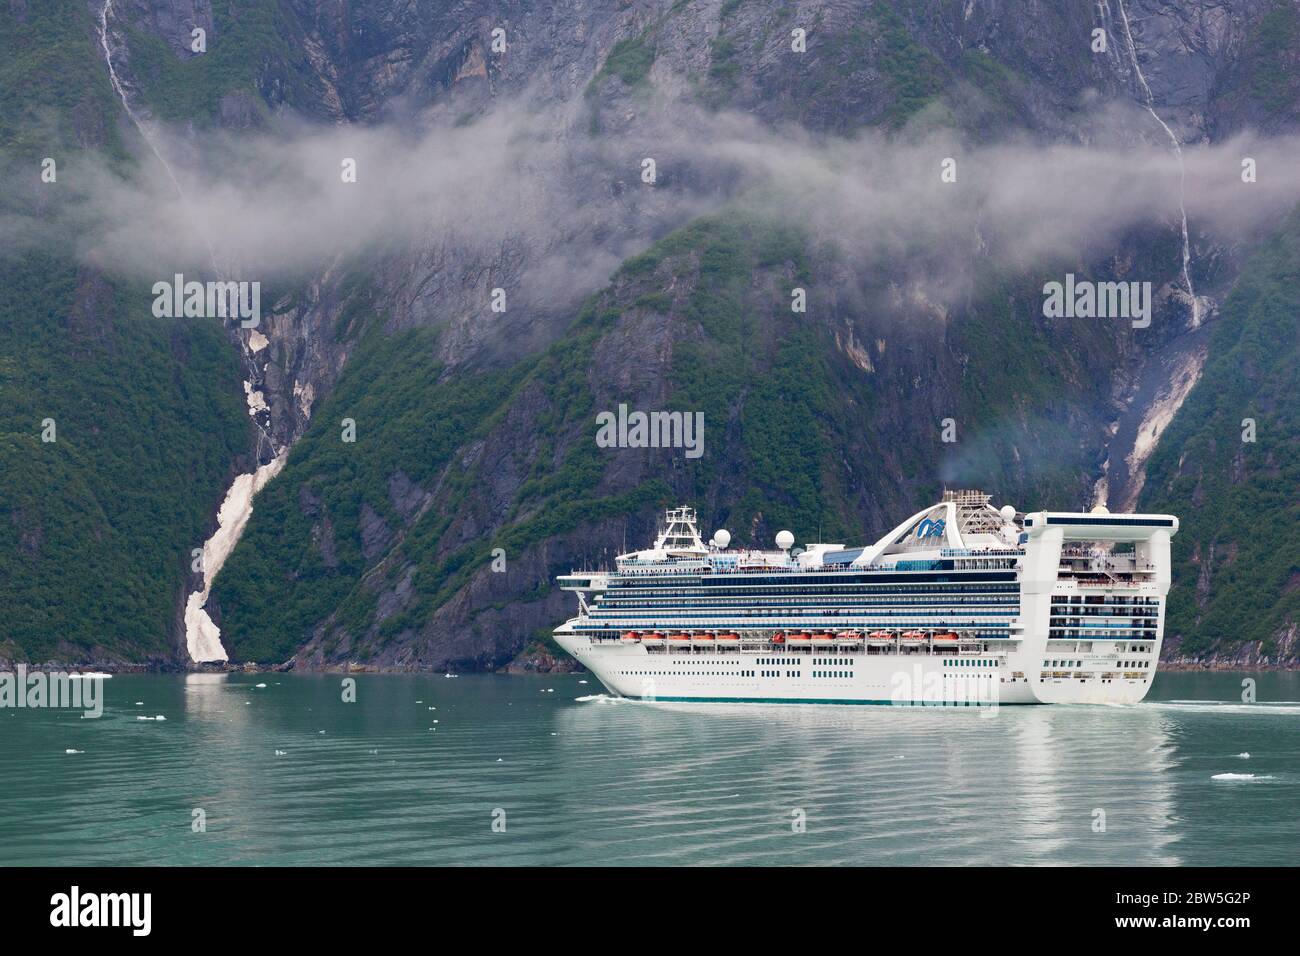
(419,767)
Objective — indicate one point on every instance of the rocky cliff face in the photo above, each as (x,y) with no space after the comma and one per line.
(433,539)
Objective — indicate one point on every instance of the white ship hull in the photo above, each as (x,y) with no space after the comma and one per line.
(808,676)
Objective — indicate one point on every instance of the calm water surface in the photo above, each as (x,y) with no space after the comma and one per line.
(583,779)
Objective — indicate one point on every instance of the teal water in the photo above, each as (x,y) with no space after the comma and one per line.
(595,781)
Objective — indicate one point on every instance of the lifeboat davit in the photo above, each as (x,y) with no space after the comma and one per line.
(630,635)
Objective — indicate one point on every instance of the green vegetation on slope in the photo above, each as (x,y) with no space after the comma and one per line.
(1236,562)
(54,94)
(96,527)
(248,48)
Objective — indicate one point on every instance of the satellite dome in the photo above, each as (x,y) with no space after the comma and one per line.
(784,540)
(1008,513)
(1100,510)
(722,537)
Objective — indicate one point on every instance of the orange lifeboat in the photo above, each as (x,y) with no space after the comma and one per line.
(728,636)
(946,636)
(778,637)
(802,636)
(656,636)
(823,636)
(704,636)
(630,635)
(679,636)
(914,635)
(881,635)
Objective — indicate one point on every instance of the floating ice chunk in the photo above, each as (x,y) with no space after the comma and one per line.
(1244,755)
(71,751)
(280,753)
(1238,776)
(582,682)
(139,703)
(259,685)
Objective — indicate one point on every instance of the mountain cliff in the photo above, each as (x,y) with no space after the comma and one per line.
(431,538)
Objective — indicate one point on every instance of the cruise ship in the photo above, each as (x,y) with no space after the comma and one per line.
(963,604)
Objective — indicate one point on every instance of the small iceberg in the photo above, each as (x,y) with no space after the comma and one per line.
(71,751)
(1244,755)
(1240,776)
(280,753)
(259,685)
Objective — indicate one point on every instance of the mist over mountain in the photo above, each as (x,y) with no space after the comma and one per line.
(919,171)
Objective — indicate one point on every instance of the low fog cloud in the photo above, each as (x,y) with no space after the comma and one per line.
(270,203)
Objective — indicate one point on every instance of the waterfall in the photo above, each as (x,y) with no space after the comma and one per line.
(1178,151)
(202,636)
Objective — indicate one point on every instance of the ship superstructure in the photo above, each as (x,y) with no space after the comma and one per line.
(961,603)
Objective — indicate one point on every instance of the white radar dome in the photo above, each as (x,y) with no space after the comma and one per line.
(1100,510)
(784,540)
(722,537)
(1008,513)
